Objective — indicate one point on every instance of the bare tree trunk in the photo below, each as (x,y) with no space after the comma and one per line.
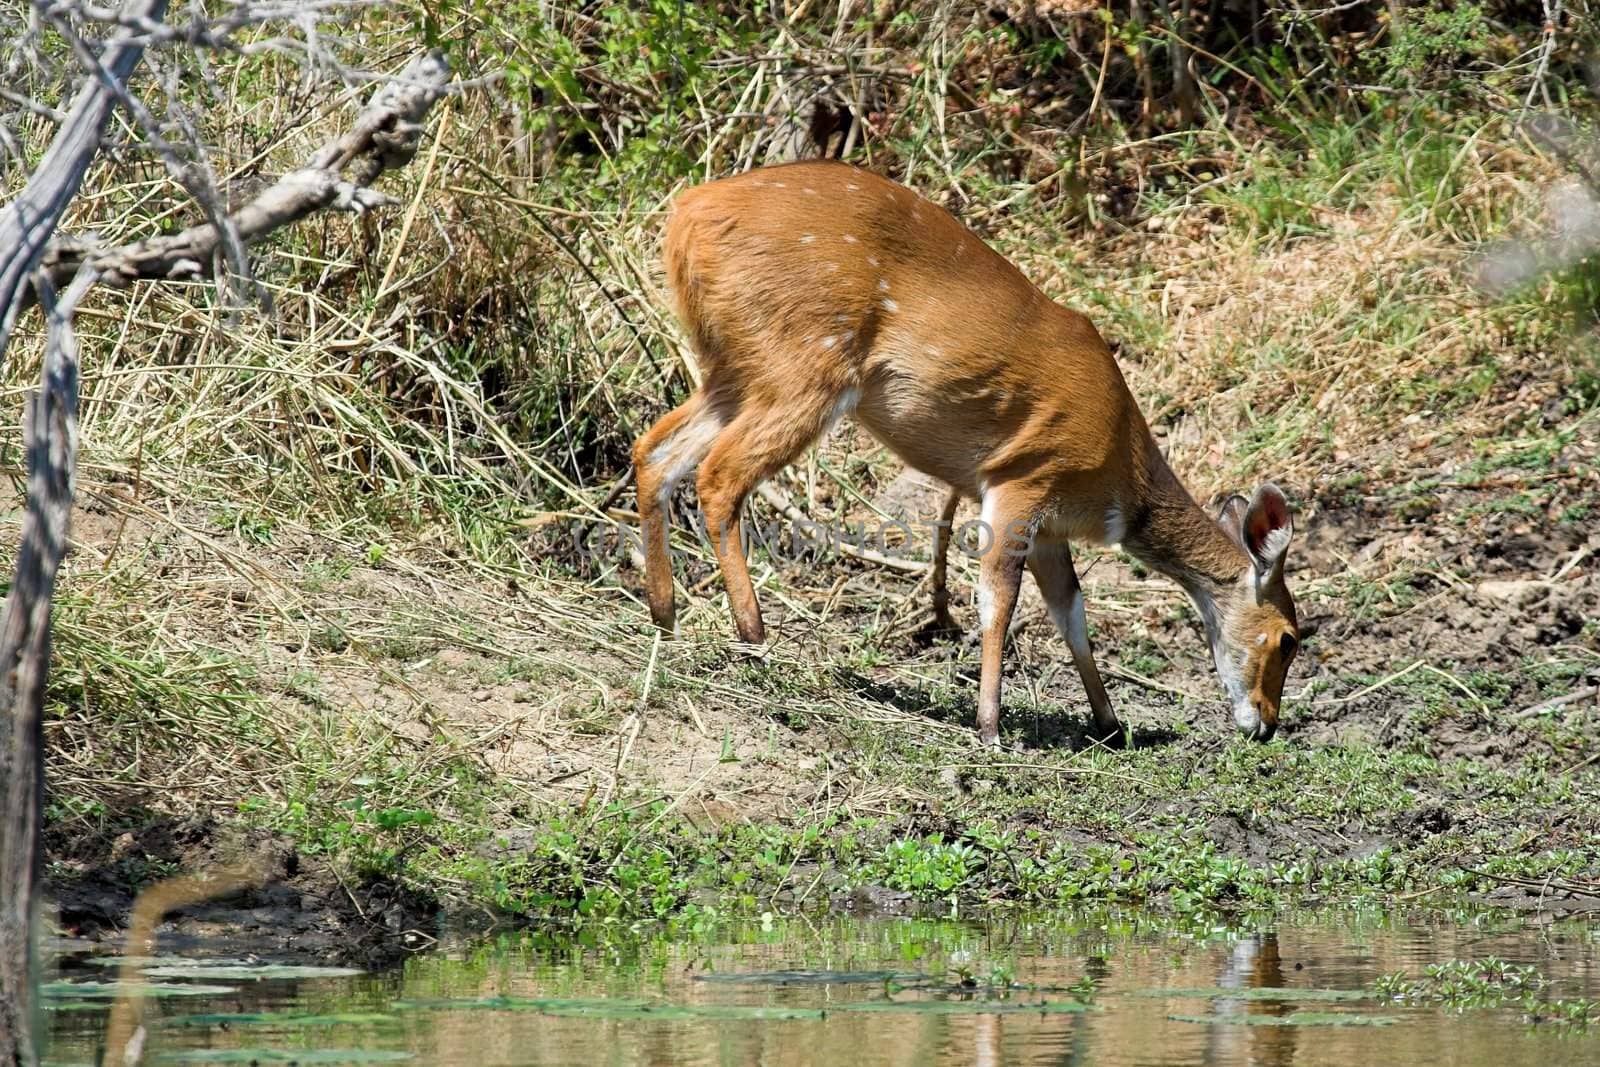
(50,439)
(33,262)
(1141,63)
(1177,28)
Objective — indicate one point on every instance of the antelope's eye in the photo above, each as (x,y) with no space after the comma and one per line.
(1288,645)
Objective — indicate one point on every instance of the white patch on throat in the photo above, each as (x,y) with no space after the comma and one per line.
(1228,672)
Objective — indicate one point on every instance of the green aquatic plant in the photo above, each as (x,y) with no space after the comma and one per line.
(1488,983)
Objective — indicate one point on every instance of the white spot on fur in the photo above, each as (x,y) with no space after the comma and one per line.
(683,451)
(841,318)
(1115,527)
(779,185)
(806,239)
(883,285)
(1072,623)
(831,267)
(841,407)
(872,261)
(829,341)
(986,605)
(890,305)
(849,238)
(847,336)
(1261,639)
(811,191)
(852,186)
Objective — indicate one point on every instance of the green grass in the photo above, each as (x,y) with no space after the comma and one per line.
(324,503)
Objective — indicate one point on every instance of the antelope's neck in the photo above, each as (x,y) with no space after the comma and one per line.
(1173,535)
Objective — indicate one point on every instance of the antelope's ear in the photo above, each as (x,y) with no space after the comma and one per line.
(1231,517)
(1266,530)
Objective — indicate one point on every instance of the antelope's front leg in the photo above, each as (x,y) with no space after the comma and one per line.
(1051,563)
(1008,517)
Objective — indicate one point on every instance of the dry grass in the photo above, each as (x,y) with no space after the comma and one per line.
(320,553)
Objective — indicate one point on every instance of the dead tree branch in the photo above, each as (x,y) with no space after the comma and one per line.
(29,221)
(385,136)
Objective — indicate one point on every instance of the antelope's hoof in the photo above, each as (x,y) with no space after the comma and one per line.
(939,628)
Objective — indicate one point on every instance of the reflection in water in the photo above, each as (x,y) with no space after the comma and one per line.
(1253,963)
(1149,981)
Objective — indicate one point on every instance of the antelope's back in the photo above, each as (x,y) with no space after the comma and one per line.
(824,250)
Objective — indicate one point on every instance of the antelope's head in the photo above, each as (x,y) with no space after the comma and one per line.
(1251,622)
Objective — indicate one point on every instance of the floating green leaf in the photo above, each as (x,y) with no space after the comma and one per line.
(1260,993)
(542,1004)
(966,1007)
(810,978)
(272,1055)
(112,990)
(286,1020)
(1299,1018)
(250,972)
(161,961)
(613,1009)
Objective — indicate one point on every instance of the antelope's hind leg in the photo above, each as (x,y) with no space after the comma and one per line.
(760,441)
(666,453)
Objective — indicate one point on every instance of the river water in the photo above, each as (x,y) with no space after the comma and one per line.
(1101,988)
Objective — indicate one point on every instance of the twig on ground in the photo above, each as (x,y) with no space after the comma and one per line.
(1577,696)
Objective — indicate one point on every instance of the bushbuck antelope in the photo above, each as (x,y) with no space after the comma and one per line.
(815,290)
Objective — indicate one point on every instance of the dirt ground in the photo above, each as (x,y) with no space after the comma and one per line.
(1429,606)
